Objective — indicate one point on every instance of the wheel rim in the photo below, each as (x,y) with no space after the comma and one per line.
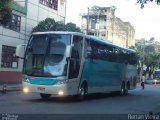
(122,90)
(82,92)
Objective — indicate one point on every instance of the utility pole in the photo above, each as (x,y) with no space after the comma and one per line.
(127,40)
(87,21)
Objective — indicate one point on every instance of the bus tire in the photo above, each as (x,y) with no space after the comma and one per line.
(126,91)
(127,87)
(82,91)
(45,96)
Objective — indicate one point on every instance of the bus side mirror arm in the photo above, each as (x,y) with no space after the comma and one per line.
(20,57)
(68,58)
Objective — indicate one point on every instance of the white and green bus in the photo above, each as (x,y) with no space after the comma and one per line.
(70,63)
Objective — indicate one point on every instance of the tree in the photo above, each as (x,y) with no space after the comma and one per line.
(142,2)
(72,27)
(132,47)
(49,24)
(60,27)
(5,11)
(151,61)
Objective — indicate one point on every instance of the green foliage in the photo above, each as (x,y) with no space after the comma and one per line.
(46,25)
(151,61)
(60,27)
(143,2)
(132,47)
(72,27)
(5,11)
(49,24)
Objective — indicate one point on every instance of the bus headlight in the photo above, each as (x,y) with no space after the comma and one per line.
(61,82)
(155,81)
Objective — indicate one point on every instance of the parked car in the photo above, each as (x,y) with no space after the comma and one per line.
(152,81)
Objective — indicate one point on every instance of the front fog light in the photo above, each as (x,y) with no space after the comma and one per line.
(25,90)
(60,93)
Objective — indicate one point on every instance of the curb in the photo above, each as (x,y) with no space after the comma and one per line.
(11,88)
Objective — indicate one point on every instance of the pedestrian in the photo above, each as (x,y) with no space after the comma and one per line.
(142,81)
(4,88)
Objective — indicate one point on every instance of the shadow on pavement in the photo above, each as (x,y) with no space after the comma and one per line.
(72,99)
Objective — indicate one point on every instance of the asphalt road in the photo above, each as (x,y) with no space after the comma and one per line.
(138,101)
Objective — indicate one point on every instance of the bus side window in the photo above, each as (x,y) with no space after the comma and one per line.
(76,56)
(110,53)
(123,57)
(94,51)
(87,49)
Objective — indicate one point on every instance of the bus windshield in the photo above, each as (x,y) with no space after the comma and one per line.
(46,55)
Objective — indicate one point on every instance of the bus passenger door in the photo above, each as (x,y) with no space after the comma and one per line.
(76,56)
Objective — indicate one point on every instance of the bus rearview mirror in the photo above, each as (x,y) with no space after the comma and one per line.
(20,49)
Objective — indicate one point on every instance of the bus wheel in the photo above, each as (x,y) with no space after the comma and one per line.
(126,91)
(45,96)
(127,88)
(122,92)
(82,91)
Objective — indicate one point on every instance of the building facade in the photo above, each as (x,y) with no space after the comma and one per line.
(102,22)
(26,14)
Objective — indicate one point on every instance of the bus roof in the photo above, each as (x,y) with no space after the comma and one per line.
(108,43)
(58,32)
(88,36)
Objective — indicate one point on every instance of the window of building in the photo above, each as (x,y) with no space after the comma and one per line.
(15,23)
(50,3)
(9,60)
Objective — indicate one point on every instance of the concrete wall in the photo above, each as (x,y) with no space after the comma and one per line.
(36,12)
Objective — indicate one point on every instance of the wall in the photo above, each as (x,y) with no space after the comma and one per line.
(31,15)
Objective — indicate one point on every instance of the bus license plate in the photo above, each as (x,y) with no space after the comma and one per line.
(41,88)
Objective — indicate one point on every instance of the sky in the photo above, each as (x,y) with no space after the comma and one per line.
(146,21)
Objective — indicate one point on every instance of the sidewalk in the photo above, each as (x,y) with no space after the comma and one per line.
(12,87)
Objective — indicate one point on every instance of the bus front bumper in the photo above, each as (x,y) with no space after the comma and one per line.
(56,90)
